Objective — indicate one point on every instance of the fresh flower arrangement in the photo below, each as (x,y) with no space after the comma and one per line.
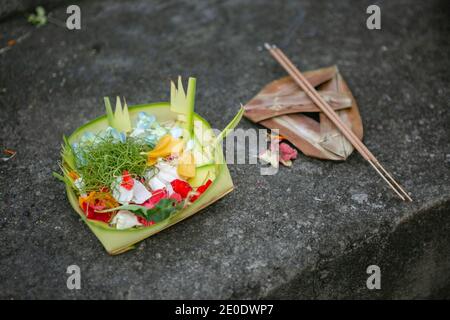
(138,170)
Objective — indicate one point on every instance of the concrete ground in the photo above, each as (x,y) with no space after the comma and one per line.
(308,232)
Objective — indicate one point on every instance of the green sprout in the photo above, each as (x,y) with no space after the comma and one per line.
(38,19)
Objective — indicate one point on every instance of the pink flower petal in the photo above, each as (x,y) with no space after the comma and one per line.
(287,152)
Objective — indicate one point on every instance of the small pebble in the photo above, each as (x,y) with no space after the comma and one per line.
(360,197)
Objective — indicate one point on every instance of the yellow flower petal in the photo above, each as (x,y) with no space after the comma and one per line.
(161,147)
(166,146)
(151,161)
(186,165)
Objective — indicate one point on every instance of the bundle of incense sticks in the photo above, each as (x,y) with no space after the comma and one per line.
(332,115)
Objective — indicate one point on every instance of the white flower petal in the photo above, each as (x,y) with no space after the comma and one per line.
(125,219)
(169,189)
(119,193)
(155,183)
(79,183)
(164,165)
(125,195)
(167,172)
(270,157)
(176,132)
(140,193)
(167,177)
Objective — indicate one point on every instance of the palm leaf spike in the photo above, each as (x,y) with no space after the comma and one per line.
(65,177)
(109,112)
(118,111)
(231,125)
(126,115)
(190,101)
(120,119)
(182,102)
(67,154)
(177,97)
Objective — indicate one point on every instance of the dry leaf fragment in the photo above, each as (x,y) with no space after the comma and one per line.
(9,154)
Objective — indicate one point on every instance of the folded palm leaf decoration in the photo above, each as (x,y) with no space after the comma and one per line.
(284,106)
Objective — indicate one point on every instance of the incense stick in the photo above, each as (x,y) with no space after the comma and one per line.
(333,116)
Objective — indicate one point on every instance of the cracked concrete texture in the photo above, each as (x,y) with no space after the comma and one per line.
(309,231)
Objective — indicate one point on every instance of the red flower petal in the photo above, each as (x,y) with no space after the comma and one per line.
(181,187)
(157,195)
(104,189)
(200,190)
(127,180)
(145,222)
(176,196)
(92,214)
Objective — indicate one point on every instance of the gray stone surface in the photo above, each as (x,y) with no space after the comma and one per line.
(308,232)
(11,8)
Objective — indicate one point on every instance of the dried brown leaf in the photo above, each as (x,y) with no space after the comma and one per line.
(280,103)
